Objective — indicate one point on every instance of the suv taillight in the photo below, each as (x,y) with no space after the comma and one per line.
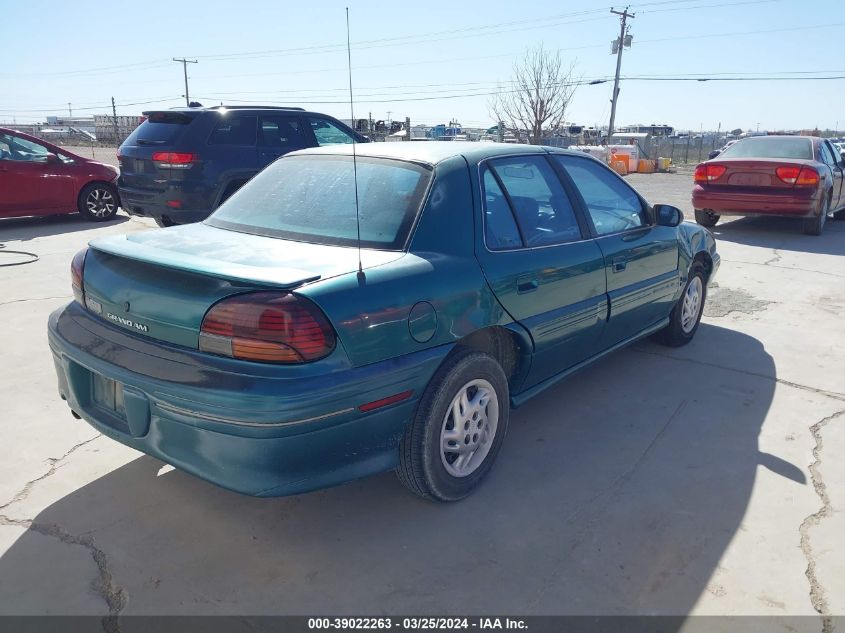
(268,327)
(175,160)
(77,268)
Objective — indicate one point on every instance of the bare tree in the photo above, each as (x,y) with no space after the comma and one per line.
(537,97)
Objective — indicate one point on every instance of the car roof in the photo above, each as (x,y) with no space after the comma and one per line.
(432,152)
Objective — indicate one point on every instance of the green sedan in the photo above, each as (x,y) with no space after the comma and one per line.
(343,315)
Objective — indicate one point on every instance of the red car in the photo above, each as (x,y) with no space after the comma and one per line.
(797,176)
(39,178)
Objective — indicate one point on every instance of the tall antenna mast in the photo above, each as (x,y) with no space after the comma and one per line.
(354,157)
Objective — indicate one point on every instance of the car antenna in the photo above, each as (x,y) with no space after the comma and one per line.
(354,157)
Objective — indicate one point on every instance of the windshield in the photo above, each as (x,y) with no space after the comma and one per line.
(771,147)
(312,199)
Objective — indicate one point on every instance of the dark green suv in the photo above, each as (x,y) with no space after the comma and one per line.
(180,164)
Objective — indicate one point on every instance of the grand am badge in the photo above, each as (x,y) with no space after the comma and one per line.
(127,322)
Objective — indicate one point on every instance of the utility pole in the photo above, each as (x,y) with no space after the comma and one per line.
(185,63)
(619,45)
(114,120)
(69,111)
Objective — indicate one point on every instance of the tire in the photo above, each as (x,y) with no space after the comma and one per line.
(682,324)
(443,475)
(98,202)
(163,221)
(814,225)
(706,218)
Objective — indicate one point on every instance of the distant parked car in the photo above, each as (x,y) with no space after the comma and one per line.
(716,152)
(271,351)
(798,176)
(39,178)
(181,164)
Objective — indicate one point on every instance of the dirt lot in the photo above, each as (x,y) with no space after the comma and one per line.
(703,480)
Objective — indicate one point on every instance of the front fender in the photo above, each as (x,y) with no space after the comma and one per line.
(693,240)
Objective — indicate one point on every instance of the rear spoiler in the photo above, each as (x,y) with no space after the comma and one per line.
(277,277)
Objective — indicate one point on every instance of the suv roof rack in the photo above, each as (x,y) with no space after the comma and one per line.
(254,107)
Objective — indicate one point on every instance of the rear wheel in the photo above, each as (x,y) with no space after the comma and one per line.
(458,429)
(98,202)
(814,225)
(163,221)
(686,315)
(706,218)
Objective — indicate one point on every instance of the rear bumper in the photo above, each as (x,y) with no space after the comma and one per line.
(153,204)
(724,202)
(254,429)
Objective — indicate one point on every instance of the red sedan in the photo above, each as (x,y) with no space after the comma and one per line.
(39,178)
(798,176)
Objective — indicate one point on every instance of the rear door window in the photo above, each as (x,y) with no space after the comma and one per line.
(542,209)
(327,133)
(236,130)
(500,230)
(283,132)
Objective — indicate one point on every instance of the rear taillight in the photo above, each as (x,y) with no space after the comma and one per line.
(174,160)
(798,176)
(77,268)
(268,327)
(709,173)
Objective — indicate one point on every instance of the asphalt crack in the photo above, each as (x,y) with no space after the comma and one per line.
(114,595)
(774,259)
(772,265)
(105,586)
(788,383)
(54,466)
(817,592)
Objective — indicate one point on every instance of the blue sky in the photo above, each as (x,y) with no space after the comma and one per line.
(430,61)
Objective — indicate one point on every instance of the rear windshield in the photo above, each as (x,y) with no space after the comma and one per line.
(312,199)
(160,128)
(770,147)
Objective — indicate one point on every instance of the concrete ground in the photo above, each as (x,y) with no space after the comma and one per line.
(701,480)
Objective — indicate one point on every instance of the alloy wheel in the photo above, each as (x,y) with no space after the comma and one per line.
(100,203)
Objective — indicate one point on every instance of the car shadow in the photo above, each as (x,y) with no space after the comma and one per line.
(44,226)
(783,234)
(617,492)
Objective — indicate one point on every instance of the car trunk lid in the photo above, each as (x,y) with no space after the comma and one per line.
(756,173)
(161,283)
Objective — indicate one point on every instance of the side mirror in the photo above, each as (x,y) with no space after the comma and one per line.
(50,159)
(667,215)
(842,154)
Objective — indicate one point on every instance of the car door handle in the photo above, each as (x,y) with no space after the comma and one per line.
(619,264)
(526,285)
